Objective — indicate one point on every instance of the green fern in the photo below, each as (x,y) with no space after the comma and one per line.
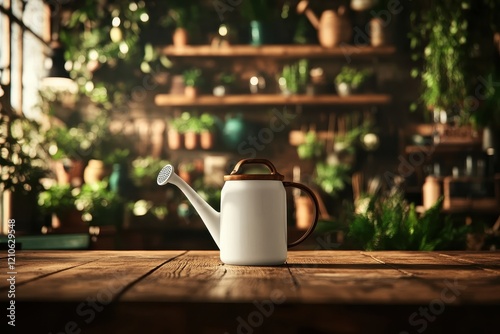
(390,223)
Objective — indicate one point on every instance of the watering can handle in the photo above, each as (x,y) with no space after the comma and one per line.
(269,164)
(316,210)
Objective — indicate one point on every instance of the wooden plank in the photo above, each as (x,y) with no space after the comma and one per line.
(105,278)
(279,51)
(470,283)
(201,276)
(489,261)
(271,99)
(32,265)
(350,277)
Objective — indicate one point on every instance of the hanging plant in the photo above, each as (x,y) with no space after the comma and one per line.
(446,39)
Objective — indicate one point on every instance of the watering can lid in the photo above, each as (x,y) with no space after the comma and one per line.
(236,174)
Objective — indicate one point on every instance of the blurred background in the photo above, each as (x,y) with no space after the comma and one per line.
(389,110)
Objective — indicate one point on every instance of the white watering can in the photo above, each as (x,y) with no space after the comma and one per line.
(251,228)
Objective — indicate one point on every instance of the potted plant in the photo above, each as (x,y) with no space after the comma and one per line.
(99,205)
(207,134)
(350,80)
(332,178)
(192,81)
(175,133)
(294,77)
(312,148)
(180,36)
(441,40)
(69,147)
(192,130)
(58,201)
(145,170)
(388,222)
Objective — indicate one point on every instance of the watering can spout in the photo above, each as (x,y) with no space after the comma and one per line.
(210,217)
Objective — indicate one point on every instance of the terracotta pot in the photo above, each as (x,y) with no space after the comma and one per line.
(207,140)
(95,171)
(190,140)
(174,139)
(69,172)
(180,37)
(191,92)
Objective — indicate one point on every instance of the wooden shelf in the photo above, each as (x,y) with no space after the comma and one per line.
(279,51)
(444,148)
(268,99)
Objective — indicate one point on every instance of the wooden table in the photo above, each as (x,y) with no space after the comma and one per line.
(315,292)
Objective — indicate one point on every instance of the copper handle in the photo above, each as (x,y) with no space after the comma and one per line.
(316,210)
(266,162)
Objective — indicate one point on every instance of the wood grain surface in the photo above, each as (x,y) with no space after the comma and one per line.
(315,291)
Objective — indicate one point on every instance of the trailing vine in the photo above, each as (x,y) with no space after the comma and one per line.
(451,39)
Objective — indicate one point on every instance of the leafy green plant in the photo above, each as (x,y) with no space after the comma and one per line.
(143,207)
(57,199)
(332,178)
(102,53)
(99,205)
(193,77)
(23,158)
(312,148)
(207,122)
(446,39)
(294,77)
(145,170)
(352,76)
(226,79)
(390,223)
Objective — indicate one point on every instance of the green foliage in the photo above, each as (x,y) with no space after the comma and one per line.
(353,135)
(226,79)
(489,112)
(352,76)
(96,48)
(143,207)
(193,77)
(312,148)
(207,122)
(390,223)
(447,37)
(57,199)
(145,170)
(23,159)
(332,178)
(99,205)
(294,77)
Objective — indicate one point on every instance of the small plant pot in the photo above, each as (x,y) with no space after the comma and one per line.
(95,171)
(70,172)
(174,139)
(344,89)
(190,140)
(180,37)
(191,92)
(207,140)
